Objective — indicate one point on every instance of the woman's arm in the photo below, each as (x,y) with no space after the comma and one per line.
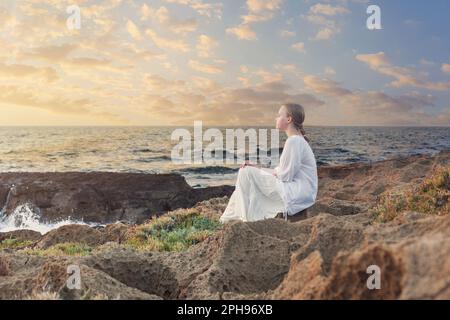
(289,161)
(248,164)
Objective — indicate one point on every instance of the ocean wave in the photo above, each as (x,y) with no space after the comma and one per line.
(24,217)
(155,159)
(149,150)
(207,170)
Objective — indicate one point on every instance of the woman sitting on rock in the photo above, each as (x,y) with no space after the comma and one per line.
(286,191)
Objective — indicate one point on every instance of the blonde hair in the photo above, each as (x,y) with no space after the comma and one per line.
(297,112)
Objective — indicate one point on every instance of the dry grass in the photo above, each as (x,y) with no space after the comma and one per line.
(62,249)
(431,196)
(43,296)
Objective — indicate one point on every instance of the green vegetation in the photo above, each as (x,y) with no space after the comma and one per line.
(431,196)
(62,249)
(13,243)
(175,231)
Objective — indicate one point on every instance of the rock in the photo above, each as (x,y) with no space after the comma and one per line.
(426,267)
(329,235)
(362,183)
(348,276)
(325,256)
(95,284)
(303,280)
(4,267)
(336,207)
(145,272)
(247,262)
(48,277)
(114,232)
(413,258)
(101,197)
(71,233)
(22,235)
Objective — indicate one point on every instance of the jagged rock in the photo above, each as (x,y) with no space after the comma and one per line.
(36,276)
(413,258)
(325,256)
(71,233)
(4,267)
(101,197)
(246,262)
(146,272)
(22,235)
(115,232)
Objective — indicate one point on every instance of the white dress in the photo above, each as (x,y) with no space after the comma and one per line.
(261,195)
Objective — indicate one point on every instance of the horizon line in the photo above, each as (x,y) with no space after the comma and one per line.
(242,126)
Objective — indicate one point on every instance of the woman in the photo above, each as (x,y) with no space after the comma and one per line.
(288,189)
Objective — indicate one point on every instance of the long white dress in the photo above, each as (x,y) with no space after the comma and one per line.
(261,195)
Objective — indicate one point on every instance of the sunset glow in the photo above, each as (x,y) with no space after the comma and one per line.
(224,63)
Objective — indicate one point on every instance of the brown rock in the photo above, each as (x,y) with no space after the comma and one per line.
(22,235)
(4,267)
(101,197)
(71,233)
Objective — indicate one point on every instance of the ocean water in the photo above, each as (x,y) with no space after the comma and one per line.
(148,149)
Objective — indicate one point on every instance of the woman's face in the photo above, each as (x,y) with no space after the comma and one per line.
(283,119)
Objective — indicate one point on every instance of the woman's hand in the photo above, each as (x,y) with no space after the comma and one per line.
(246,164)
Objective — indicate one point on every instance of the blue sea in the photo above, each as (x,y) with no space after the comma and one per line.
(148,149)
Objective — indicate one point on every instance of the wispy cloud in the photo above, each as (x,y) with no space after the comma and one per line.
(404,77)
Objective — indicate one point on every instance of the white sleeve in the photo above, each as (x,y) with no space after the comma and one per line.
(289,161)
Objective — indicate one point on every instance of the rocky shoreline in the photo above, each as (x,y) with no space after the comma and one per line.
(101,197)
(324,256)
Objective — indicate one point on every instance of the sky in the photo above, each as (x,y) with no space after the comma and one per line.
(226,63)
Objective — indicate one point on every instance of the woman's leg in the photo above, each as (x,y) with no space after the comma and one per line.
(261,198)
(239,201)
(256,197)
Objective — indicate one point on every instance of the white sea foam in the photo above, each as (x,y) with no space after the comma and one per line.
(24,217)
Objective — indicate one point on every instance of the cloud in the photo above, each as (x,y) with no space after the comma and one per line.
(22,97)
(165,18)
(26,71)
(50,53)
(299,46)
(325,86)
(258,11)
(328,10)
(378,108)
(329,71)
(133,30)
(426,62)
(157,78)
(205,68)
(243,32)
(158,83)
(404,77)
(252,18)
(323,15)
(63,55)
(328,27)
(263,5)
(205,45)
(205,9)
(165,43)
(372,107)
(445,68)
(203,99)
(287,34)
